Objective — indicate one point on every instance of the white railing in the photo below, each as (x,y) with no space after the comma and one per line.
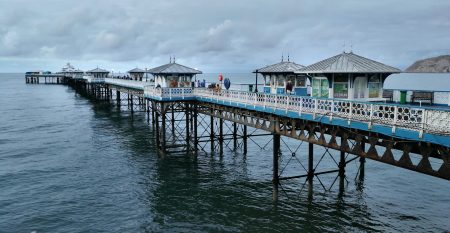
(91,79)
(170,93)
(128,83)
(416,118)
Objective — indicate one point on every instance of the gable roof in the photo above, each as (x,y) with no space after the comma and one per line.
(281,67)
(348,63)
(173,68)
(136,70)
(97,70)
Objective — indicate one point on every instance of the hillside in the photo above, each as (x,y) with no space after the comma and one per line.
(433,64)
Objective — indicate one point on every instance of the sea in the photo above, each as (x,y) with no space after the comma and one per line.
(71,164)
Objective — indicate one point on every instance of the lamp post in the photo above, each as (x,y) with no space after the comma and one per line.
(256,81)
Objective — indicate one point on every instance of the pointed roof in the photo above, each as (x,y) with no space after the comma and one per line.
(136,70)
(281,67)
(173,68)
(97,70)
(348,63)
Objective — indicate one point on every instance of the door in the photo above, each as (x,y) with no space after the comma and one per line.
(360,87)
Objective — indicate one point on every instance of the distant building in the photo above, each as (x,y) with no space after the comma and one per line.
(68,69)
(173,75)
(348,76)
(136,74)
(98,73)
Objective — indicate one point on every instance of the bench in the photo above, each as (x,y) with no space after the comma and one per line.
(422,95)
(388,94)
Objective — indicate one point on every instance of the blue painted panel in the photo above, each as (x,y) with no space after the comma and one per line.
(280,90)
(301,91)
(266,89)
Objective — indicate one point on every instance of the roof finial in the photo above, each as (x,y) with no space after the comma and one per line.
(343,48)
(282,57)
(173,58)
(170,59)
(351,48)
(288,56)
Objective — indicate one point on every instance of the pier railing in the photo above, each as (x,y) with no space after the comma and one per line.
(405,116)
(128,83)
(168,93)
(91,79)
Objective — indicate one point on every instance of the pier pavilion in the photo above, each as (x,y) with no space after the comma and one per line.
(136,74)
(98,73)
(280,78)
(173,75)
(348,76)
(70,70)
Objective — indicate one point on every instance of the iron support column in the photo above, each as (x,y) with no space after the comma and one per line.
(276,153)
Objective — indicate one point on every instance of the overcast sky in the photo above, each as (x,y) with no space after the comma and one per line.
(216,35)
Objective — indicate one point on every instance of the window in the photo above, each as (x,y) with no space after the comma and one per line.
(280,81)
(301,81)
(374,86)
(340,90)
(340,86)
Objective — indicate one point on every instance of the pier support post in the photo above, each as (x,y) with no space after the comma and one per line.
(158,133)
(276,154)
(188,133)
(195,127)
(147,106)
(118,97)
(362,161)
(310,166)
(234,135)
(131,99)
(220,135)
(244,139)
(173,118)
(153,106)
(163,127)
(342,161)
(211,136)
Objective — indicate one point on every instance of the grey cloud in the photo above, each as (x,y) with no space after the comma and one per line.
(225,36)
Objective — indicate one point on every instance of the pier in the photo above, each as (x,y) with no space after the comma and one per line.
(196,119)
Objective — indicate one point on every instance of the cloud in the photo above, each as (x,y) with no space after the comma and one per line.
(223,35)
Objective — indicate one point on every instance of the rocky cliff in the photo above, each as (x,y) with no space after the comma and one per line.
(433,64)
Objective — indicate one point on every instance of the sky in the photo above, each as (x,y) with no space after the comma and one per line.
(215,36)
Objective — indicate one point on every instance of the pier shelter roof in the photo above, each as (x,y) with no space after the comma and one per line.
(173,68)
(136,70)
(283,67)
(348,63)
(97,70)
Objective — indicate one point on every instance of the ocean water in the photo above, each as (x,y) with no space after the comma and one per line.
(69,164)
